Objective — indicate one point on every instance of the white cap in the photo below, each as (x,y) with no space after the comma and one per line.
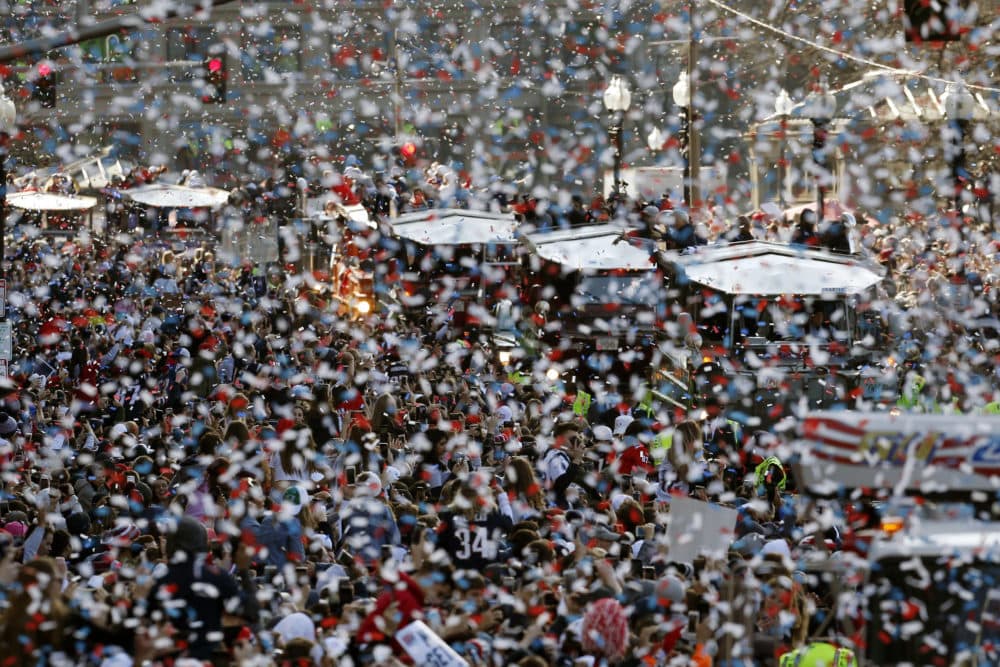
(602,433)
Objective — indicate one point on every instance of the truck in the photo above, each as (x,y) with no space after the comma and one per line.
(922,573)
(602,297)
(775,325)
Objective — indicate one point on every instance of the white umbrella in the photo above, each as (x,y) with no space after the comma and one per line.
(161,195)
(50,201)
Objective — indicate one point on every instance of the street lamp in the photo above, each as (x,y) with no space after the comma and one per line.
(682,98)
(820,108)
(959,107)
(783,106)
(655,139)
(8,118)
(617,99)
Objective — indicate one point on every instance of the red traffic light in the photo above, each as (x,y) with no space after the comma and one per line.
(44,69)
(408,150)
(215,65)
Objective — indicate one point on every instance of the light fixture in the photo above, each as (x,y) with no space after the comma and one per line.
(656,139)
(783,104)
(959,104)
(682,91)
(617,96)
(820,105)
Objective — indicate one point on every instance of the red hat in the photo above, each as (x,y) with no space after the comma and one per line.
(605,629)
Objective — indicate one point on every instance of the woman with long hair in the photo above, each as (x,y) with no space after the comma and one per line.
(527,497)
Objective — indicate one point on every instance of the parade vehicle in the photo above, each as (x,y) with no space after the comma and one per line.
(602,297)
(453,264)
(338,249)
(920,559)
(773,323)
(178,215)
(52,213)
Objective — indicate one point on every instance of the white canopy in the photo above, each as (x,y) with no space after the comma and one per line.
(447,226)
(161,195)
(597,248)
(773,268)
(50,201)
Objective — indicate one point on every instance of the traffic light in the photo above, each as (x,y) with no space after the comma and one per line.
(408,151)
(45,86)
(938,21)
(215,75)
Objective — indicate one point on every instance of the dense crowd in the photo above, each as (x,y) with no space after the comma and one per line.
(201,464)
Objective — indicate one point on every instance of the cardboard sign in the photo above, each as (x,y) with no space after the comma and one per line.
(426,648)
(581,405)
(6,340)
(698,528)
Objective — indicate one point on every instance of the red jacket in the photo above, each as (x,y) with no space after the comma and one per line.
(408,596)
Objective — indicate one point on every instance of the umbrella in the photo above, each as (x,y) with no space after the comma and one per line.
(177,196)
(50,201)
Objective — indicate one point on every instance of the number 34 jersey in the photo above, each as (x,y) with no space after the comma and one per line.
(472,544)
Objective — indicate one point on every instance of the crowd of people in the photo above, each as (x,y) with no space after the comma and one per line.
(236,476)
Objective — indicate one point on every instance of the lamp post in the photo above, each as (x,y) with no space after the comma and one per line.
(682,98)
(783,107)
(617,99)
(8,118)
(820,108)
(959,105)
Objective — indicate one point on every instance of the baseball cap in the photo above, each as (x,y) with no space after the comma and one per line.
(295,497)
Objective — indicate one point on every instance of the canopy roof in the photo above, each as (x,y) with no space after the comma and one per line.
(597,247)
(50,201)
(162,195)
(765,268)
(447,226)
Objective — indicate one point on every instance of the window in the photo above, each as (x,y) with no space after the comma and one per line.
(190,42)
(364,51)
(113,58)
(270,51)
(505,48)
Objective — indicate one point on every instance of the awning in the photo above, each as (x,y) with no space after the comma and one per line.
(770,269)
(161,195)
(50,201)
(597,248)
(456,227)
(354,212)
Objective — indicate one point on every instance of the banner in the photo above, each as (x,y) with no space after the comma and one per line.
(426,648)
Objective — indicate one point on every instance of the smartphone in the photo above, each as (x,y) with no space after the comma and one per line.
(649,574)
(508,583)
(345,592)
(352,475)
(694,619)
(131,479)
